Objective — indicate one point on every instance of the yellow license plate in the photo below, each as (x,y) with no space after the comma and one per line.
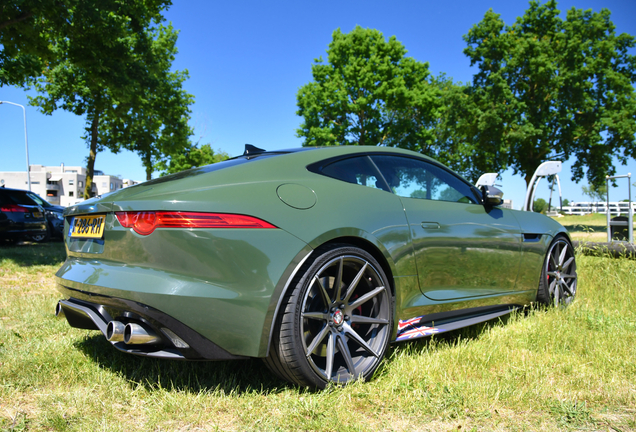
(88,226)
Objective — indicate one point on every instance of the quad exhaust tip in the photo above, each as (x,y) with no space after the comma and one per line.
(115,331)
(132,334)
(136,334)
(59,312)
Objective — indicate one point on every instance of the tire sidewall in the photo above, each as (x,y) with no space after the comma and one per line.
(543,293)
(300,291)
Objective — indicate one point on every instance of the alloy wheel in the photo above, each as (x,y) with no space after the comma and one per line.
(560,271)
(345,317)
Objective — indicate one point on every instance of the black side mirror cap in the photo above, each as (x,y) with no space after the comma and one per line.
(491,196)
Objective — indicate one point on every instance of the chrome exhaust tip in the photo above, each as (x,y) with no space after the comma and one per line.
(136,334)
(115,331)
(59,312)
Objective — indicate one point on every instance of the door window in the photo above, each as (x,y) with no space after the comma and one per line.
(415,178)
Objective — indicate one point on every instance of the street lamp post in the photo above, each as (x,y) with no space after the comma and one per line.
(26,141)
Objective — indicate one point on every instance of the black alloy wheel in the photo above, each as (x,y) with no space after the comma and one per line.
(337,321)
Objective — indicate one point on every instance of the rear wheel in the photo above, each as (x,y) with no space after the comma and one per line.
(41,238)
(558,276)
(336,322)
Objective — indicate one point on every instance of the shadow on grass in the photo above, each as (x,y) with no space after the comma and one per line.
(227,377)
(237,376)
(27,254)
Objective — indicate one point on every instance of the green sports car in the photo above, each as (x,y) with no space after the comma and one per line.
(314,259)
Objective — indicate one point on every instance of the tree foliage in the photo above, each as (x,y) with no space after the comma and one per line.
(155,122)
(96,34)
(549,88)
(26,27)
(370,93)
(191,157)
(109,61)
(540,205)
(596,193)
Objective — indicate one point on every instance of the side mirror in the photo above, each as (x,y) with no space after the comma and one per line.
(491,196)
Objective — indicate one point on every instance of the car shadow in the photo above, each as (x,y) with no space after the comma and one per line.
(235,376)
(26,253)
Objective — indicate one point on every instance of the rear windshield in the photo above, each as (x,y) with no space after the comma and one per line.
(15,197)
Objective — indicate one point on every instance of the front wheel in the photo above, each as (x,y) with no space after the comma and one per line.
(558,277)
(336,322)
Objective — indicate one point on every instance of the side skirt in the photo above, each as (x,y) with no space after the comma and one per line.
(427,325)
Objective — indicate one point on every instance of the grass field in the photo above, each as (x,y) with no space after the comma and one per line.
(543,370)
(591,227)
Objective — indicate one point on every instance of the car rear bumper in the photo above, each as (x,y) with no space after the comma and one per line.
(173,339)
(222,284)
(14,230)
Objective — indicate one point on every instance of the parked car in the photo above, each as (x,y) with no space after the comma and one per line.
(313,259)
(54,216)
(20,216)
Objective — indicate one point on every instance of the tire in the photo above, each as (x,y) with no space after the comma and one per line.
(323,334)
(558,276)
(41,238)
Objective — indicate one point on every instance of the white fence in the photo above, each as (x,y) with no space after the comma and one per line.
(583,208)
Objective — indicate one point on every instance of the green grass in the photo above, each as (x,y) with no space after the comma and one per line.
(542,370)
(591,227)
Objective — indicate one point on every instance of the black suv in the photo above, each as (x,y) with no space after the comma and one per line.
(20,216)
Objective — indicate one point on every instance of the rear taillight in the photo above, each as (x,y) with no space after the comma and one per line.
(14,208)
(145,223)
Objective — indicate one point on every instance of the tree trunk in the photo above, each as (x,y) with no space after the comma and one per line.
(90,166)
(148,165)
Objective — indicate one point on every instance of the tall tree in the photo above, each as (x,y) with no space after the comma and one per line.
(113,67)
(368,93)
(155,123)
(550,89)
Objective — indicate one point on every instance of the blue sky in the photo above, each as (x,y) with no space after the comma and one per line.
(247,60)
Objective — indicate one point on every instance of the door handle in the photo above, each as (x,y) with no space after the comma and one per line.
(431,225)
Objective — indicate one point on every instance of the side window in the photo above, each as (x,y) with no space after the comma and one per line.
(414,178)
(356,170)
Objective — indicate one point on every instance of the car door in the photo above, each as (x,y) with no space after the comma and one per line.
(462,248)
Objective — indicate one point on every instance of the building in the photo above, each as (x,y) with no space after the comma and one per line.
(62,185)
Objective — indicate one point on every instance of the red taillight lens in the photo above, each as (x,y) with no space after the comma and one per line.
(145,223)
(14,208)
(141,222)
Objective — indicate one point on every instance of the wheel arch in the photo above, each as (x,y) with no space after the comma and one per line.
(356,238)
(370,248)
